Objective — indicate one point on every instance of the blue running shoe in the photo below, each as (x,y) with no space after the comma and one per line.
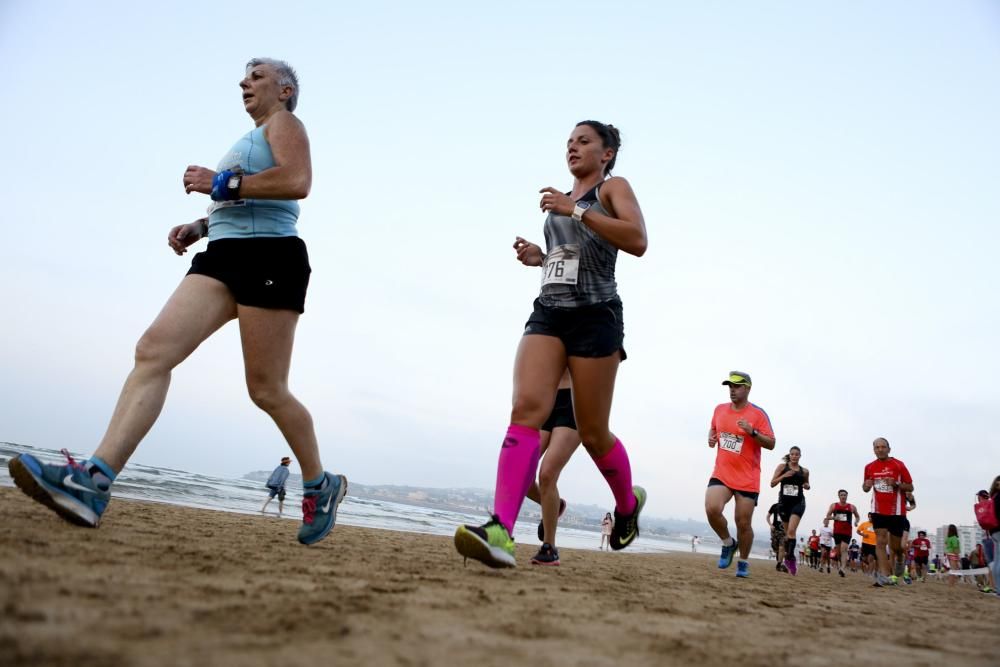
(742,569)
(726,558)
(68,490)
(319,508)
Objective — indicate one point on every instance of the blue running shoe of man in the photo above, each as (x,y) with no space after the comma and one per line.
(319,508)
(68,490)
(726,558)
(742,569)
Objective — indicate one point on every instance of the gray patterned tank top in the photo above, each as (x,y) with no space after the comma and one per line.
(579,268)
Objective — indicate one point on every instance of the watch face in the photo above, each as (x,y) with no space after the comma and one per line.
(234,182)
(583,204)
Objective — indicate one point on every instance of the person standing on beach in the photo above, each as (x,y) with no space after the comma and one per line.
(607,524)
(558,440)
(276,485)
(953,551)
(840,512)
(740,429)
(576,323)
(255,270)
(791,480)
(889,480)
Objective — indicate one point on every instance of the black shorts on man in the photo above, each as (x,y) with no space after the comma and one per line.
(867,550)
(266,272)
(562,412)
(591,331)
(752,495)
(841,538)
(891,522)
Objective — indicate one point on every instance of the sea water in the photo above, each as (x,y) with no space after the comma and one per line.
(243,496)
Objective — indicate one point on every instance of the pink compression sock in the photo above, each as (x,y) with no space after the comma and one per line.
(515,472)
(616,470)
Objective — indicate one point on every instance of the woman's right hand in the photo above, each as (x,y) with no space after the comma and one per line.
(181,236)
(528,253)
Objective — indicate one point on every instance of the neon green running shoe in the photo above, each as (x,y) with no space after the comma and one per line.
(626,528)
(490,543)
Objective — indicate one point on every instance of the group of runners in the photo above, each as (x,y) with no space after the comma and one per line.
(256,269)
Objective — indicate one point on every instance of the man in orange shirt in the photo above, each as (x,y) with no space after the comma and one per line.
(868,544)
(740,429)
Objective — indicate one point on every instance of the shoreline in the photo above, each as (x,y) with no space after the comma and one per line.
(161,584)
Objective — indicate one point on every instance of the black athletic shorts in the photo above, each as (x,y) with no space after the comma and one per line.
(906,525)
(270,272)
(840,538)
(562,412)
(786,511)
(891,522)
(752,495)
(920,560)
(587,331)
(867,550)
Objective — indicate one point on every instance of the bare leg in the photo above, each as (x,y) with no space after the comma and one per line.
(543,445)
(716,498)
(563,443)
(266,503)
(593,390)
(791,526)
(744,529)
(196,310)
(881,557)
(538,367)
(268,336)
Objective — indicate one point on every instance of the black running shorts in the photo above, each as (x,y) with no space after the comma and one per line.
(840,538)
(268,272)
(752,495)
(587,331)
(891,522)
(562,412)
(786,512)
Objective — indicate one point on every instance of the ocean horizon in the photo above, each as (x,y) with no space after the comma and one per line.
(245,496)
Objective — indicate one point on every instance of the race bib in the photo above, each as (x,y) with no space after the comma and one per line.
(731,443)
(841,517)
(561,265)
(922,547)
(789,489)
(884,485)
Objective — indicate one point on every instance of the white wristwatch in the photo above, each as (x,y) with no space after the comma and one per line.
(578,210)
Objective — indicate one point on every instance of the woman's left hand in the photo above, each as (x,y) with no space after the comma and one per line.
(557,202)
(198,179)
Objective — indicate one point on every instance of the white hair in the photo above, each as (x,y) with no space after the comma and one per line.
(286,77)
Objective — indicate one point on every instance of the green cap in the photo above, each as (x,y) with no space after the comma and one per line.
(738,377)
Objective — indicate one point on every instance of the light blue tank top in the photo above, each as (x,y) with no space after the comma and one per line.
(249,218)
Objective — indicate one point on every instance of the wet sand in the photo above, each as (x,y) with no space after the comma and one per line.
(164,585)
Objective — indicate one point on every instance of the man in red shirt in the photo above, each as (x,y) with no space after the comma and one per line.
(841,512)
(889,480)
(740,429)
(921,552)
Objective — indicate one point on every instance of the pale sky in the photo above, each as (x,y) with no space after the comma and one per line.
(819,182)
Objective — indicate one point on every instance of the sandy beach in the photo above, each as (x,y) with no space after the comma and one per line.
(165,585)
